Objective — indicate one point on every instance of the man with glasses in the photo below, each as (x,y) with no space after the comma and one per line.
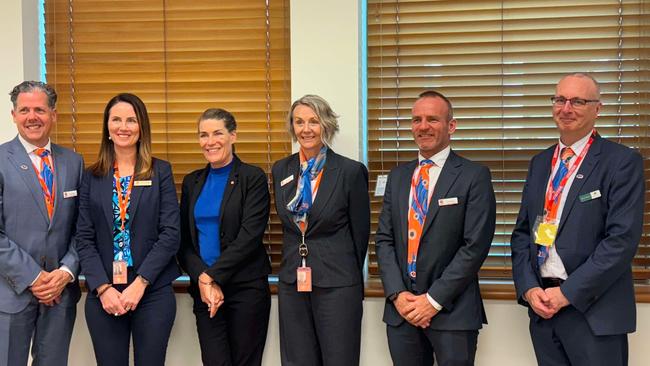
(577,232)
(38,208)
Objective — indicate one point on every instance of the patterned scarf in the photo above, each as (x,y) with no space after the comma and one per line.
(301,203)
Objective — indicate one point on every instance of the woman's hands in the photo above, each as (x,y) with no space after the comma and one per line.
(119,303)
(211,293)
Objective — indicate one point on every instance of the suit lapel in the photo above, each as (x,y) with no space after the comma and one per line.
(233,180)
(587,166)
(199,182)
(23,164)
(405,177)
(106,188)
(289,189)
(59,175)
(447,177)
(134,200)
(539,184)
(325,189)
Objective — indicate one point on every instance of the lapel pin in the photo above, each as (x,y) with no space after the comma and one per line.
(579,176)
(24,167)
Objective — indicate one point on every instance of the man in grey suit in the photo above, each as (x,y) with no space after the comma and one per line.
(38,261)
(435,230)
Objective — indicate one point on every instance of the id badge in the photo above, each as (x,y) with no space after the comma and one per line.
(119,272)
(545,231)
(303,279)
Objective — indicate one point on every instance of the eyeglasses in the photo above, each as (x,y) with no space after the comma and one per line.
(575,102)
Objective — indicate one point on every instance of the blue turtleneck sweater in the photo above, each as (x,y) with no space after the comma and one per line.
(206,213)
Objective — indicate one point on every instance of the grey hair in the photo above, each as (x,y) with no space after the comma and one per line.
(220,115)
(326,117)
(586,76)
(32,86)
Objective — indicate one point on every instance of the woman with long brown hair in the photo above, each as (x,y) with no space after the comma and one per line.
(127,236)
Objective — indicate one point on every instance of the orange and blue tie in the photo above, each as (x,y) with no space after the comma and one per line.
(562,171)
(46,179)
(417,215)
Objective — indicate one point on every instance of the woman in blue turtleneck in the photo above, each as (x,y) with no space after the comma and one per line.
(224,211)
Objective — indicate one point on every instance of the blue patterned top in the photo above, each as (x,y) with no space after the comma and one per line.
(121,239)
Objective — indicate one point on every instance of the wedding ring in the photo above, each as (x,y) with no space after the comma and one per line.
(116,314)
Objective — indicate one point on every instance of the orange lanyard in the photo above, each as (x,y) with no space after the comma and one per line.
(122,200)
(552,195)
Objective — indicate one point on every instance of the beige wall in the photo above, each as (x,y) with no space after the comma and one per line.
(325,61)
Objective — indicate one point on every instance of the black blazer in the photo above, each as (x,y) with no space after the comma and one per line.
(244,215)
(153,211)
(338,223)
(596,239)
(455,241)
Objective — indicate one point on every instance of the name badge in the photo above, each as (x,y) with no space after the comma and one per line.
(448,201)
(303,279)
(590,196)
(119,272)
(142,183)
(286,180)
(545,231)
(70,194)
(380,188)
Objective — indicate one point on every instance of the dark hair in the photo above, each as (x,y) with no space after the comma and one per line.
(219,115)
(31,86)
(106,156)
(435,94)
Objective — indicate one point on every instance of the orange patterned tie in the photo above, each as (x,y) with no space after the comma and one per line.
(417,214)
(46,179)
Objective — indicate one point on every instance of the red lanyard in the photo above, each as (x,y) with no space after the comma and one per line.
(553,195)
(122,201)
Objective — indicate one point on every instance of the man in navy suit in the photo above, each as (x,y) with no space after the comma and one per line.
(38,261)
(576,234)
(435,230)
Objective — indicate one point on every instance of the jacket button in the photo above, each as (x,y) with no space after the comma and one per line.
(222,234)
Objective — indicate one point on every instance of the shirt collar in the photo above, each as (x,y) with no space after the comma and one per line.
(578,145)
(439,159)
(29,147)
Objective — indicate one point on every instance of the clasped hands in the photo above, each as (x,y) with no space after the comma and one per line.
(546,303)
(211,293)
(119,303)
(49,285)
(415,309)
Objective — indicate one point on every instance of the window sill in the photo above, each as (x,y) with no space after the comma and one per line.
(373,288)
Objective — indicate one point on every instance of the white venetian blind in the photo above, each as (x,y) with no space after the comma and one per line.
(498,62)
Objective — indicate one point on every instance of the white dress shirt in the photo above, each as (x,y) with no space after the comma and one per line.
(553,266)
(36,161)
(439,160)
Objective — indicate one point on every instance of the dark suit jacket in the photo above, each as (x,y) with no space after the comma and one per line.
(455,241)
(153,212)
(244,215)
(338,223)
(29,240)
(596,239)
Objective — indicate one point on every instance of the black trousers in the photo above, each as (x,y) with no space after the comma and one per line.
(413,346)
(322,327)
(150,325)
(237,334)
(567,340)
